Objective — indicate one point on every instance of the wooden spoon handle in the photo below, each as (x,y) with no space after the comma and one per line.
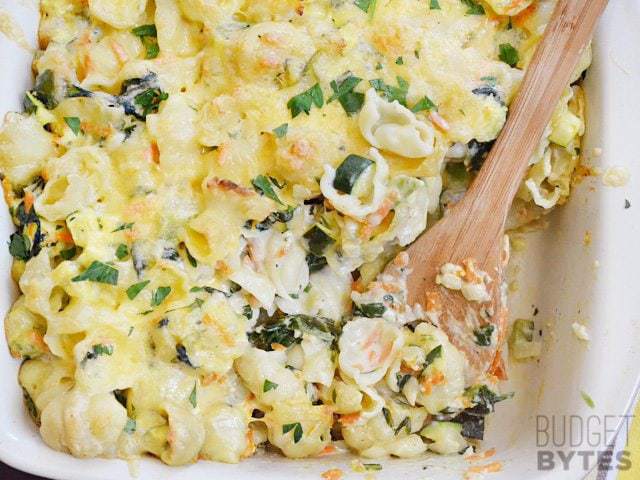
(548,74)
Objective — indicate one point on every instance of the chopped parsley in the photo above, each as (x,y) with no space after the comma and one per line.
(193,398)
(399,61)
(44,92)
(149,37)
(432,356)
(281,131)
(124,226)
(97,351)
(405,423)
(424,103)
(305,100)
(369,310)
(262,184)
(74,124)
(122,251)
(159,295)
(98,272)
(135,289)
(483,335)
(387,416)
(367,6)
(473,7)
(269,385)
(434,5)
(297,430)
(343,92)
(508,54)
(149,100)
(20,246)
(390,92)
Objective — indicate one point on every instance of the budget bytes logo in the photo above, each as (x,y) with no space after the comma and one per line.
(572,441)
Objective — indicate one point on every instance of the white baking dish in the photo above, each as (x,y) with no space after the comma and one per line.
(558,275)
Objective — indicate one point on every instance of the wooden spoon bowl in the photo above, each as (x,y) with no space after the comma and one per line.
(473,229)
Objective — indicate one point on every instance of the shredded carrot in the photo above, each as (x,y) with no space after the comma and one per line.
(492,467)
(328,450)
(349,418)
(333,474)
(209,379)
(476,457)
(251,446)
(431,381)
(520,19)
(497,368)
(64,236)
(28,201)
(154,153)
(278,347)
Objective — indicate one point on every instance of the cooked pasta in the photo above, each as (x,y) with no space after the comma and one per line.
(206,194)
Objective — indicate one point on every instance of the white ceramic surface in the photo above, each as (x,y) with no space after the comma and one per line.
(557,275)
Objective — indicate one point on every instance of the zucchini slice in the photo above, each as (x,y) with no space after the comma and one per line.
(349,171)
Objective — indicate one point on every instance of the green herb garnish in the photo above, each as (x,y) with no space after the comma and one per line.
(473,7)
(297,430)
(262,184)
(136,288)
(159,295)
(269,385)
(369,310)
(305,100)
(149,37)
(193,398)
(483,335)
(343,92)
(122,251)
(281,131)
(98,272)
(508,54)
(74,124)
(390,92)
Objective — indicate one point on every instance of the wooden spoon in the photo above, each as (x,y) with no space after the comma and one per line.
(471,233)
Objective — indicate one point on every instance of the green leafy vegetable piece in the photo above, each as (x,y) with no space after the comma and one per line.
(473,7)
(367,6)
(434,5)
(44,92)
(263,185)
(122,251)
(297,430)
(405,423)
(98,272)
(193,398)
(74,124)
(124,226)
(98,350)
(484,335)
(136,288)
(432,356)
(508,54)
(369,310)
(159,295)
(304,101)
(281,131)
(390,92)
(20,246)
(149,38)
(269,385)
(424,103)
(343,92)
(150,100)
(315,262)
(399,61)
